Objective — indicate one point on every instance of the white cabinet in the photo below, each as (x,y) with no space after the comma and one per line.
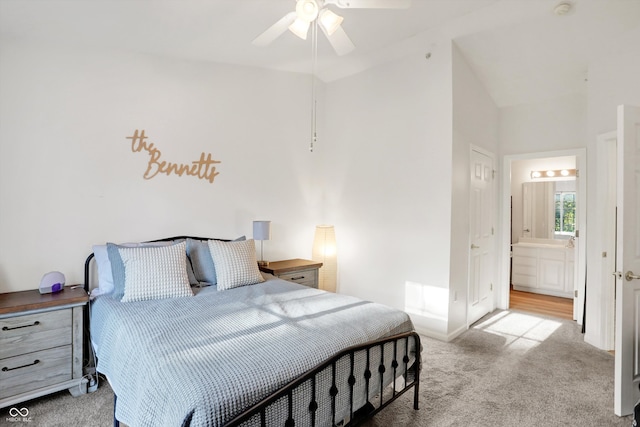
(544,269)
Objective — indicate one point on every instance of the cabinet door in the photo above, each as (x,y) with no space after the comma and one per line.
(551,271)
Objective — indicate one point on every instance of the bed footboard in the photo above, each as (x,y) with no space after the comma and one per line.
(372,380)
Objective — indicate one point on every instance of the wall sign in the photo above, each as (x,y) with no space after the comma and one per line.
(203,168)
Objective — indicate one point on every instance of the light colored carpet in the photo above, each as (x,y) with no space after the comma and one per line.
(510,369)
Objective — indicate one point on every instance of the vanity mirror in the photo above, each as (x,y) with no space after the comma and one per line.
(549,209)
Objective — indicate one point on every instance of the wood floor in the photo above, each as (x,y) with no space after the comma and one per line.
(541,304)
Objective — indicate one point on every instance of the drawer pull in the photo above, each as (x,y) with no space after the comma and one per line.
(297,278)
(7,328)
(35,362)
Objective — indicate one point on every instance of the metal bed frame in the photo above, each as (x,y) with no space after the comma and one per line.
(409,371)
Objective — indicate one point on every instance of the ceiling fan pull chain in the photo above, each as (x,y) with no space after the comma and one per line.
(314,58)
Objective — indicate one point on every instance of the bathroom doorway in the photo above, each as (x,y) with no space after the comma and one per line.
(543,249)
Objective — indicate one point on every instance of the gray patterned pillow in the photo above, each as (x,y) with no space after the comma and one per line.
(155,272)
(235,263)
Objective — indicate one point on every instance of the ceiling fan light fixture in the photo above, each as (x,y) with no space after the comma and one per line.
(307,10)
(329,21)
(300,28)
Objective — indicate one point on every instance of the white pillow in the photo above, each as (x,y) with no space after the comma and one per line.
(235,263)
(155,272)
(106,284)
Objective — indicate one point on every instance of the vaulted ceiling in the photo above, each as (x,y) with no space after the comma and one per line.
(520,49)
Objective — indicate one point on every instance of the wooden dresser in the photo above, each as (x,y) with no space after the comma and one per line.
(41,344)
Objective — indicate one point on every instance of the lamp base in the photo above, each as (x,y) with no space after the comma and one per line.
(263,263)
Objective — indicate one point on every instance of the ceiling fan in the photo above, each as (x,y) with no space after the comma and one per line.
(317,12)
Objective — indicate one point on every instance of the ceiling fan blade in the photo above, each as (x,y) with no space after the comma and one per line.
(370,4)
(339,40)
(274,31)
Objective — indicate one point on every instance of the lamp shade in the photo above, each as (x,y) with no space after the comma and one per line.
(261,230)
(300,28)
(330,21)
(324,251)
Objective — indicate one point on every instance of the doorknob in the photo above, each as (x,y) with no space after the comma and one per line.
(630,276)
(474,246)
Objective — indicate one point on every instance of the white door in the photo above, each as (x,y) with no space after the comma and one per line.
(480,294)
(627,342)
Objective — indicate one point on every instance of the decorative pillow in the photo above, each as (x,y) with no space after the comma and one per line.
(155,272)
(117,266)
(201,262)
(200,257)
(192,277)
(235,263)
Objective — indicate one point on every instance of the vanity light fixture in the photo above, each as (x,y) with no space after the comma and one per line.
(554,173)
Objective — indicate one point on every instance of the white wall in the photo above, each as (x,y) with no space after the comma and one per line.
(396,145)
(551,125)
(475,124)
(68,177)
(388,163)
(613,81)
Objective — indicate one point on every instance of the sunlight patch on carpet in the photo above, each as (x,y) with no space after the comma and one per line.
(521,332)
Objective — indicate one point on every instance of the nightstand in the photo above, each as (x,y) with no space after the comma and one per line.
(41,341)
(297,270)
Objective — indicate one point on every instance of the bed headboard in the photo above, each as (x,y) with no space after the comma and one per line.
(87,263)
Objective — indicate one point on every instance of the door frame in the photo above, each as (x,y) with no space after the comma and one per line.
(602,335)
(504,244)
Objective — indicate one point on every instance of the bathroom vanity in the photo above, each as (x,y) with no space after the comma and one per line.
(544,266)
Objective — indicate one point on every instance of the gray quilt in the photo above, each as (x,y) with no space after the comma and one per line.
(202,360)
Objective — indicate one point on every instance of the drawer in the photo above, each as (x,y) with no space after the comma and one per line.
(303,277)
(33,332)
(524,251)
(21,374)
(525,261)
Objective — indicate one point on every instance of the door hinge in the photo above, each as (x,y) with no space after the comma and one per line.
(577,233)
(575,293)
(490,286)
(493,174)
(492,231)
(577,173)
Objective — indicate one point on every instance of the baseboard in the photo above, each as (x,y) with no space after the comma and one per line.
(455,334)
(439,335)
(594,340)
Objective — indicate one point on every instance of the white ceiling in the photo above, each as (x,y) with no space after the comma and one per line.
(520,49)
